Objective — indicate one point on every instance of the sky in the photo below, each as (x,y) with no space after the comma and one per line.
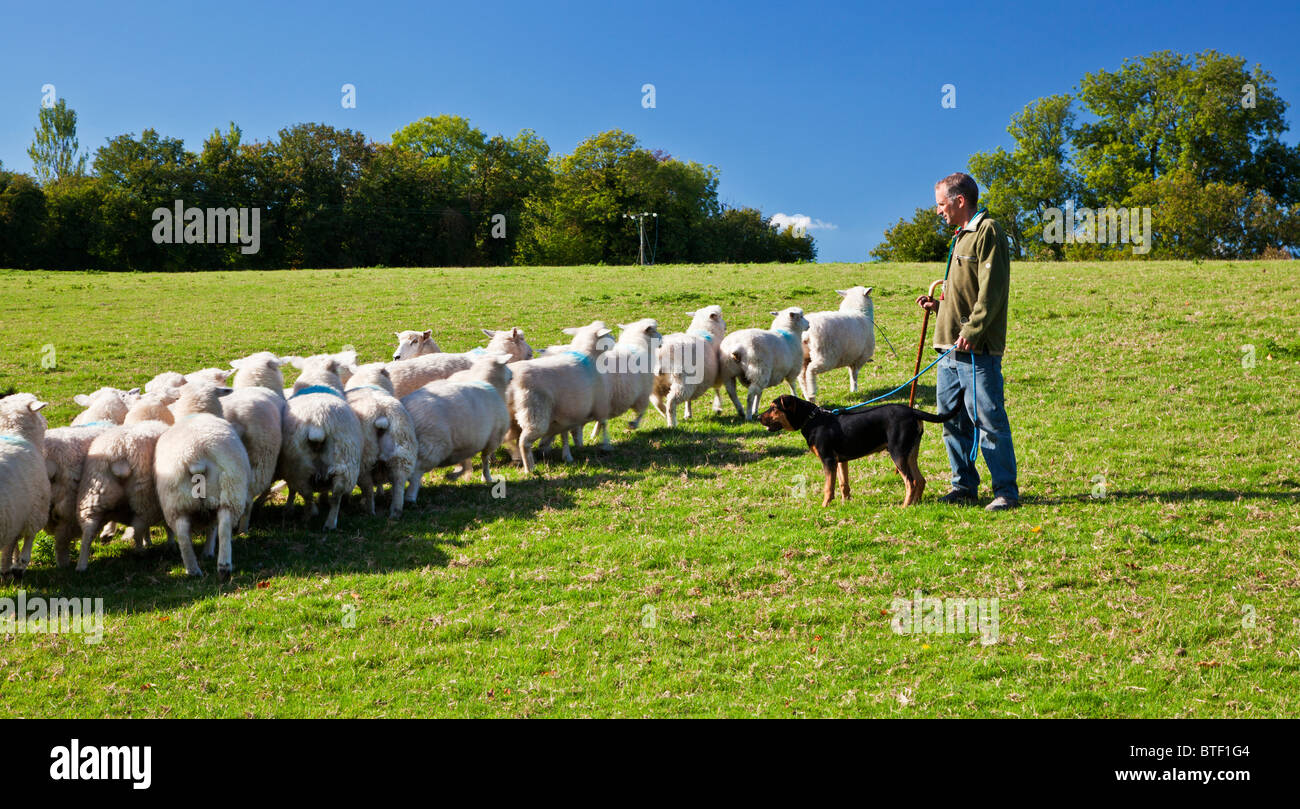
(829,114)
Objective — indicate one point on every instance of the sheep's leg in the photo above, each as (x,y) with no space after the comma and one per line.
(245,518)
(88,533)
(577,436)
(809,384)
(487,471)
(717,402)
(604,431)
(687,405)
(412,487)
(333,499)
(210,547)
(140,534)
(368,495)
(395,505)
(6,558)
(26,558)
(224,566)
(567,456)
(755,396)
(636,421)
(853,378)
(595,429)
(187,547)
(63,544)
(735,400)
(526,439)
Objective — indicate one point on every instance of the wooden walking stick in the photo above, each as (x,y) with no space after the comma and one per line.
(920,348)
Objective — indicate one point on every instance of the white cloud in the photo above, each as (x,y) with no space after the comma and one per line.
(800,222)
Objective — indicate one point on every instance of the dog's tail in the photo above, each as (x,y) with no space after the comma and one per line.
(939,418)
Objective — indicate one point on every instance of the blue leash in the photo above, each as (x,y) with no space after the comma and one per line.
(975,406)
(840,410)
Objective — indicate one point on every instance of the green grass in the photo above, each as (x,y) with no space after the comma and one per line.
(763,603)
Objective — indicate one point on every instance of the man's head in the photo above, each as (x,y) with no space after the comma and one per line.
(955,197)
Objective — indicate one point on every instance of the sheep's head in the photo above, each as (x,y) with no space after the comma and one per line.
(511,342)
(856,299)
(372,374)
(644,333)
(200,396)
(415,343)
(20,415)
(592,339)
(791,320)
(708,319)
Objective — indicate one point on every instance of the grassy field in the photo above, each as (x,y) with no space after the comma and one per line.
(1151,572)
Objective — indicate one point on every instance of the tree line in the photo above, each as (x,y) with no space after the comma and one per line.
(1196,140)
(441,193)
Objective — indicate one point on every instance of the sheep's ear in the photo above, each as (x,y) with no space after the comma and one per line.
(515,333)
(36,405)
(603,333)
(120,468)
(171,393)
(428,334)
(281,361)
(621,326)
(488,332)
(715,316)
(502,358)
(841,292)
(774,313)
(571,330)
(224,391)
(690,314)
(868,292)
(296,362)
(82,399)
(236,364)
(133,392)
(384,373)
(346,357)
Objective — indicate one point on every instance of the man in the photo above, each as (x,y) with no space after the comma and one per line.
(973,319)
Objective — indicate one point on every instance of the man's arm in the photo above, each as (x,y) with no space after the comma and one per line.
(994,281)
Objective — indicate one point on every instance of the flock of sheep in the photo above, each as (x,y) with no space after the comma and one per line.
(193,455)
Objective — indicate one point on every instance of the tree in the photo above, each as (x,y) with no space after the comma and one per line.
(1207,115)
(925,238)
(55,153)
(1018,187)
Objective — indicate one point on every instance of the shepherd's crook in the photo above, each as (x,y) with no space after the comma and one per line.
(925,325)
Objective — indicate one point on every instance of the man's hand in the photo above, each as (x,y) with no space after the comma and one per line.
(962,344)
(927,303)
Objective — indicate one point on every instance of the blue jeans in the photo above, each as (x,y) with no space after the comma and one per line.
(995,430)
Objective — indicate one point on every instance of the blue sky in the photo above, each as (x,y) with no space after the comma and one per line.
(830,111)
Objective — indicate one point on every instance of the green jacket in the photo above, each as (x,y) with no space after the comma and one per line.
(974,302)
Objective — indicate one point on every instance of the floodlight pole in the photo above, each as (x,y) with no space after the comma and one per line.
(640,221)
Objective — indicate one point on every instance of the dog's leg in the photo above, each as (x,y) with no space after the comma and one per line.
(901,464)
(844,480)
(828,494)
(918,480)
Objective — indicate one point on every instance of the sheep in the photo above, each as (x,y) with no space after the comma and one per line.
(407,375)
(389,445)
(688,365)
(629,371)
(202,476)
(762,358)
(24,482)
(65,455)
(320,449)
(256,414)
(415,344)
(171,379)
(260,370)
(117,484)
(328,370)
(455,419)
(105,404)
(556,394)
(839,339)
(153,406)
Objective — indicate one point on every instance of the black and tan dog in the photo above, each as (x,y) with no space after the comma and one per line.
(838,439)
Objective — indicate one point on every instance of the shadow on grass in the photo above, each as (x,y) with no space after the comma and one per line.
(1186,495)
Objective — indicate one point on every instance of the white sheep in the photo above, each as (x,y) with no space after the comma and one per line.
(839,339)
(415,344)
(105,404)
(153,406)
(389,444)
(256,414)
(260,370)
(320,449)
(329,370)
(65,455)
(409,374)
(457,418)
(117,484)
(761,358)
(171,379)
(688,365)
(629,372)
(24,482)
(557,394)
(202,477)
